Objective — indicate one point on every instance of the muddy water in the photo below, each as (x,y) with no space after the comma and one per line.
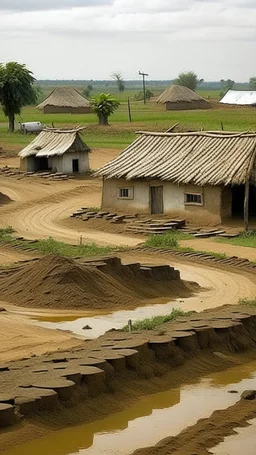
(244,441)
(104,321)
(151,419)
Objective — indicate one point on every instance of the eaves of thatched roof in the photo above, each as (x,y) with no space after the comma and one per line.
(200,158)
(65,97)
(53,141)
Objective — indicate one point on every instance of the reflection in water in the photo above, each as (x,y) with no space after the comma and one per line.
(151,419)
(244,441)
(102,323)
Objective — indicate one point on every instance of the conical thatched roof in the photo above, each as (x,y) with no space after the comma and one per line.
(65,97)
(179,93)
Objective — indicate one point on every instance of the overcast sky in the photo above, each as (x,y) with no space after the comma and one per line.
(89,39)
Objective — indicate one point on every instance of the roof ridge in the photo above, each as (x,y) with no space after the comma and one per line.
(221,134)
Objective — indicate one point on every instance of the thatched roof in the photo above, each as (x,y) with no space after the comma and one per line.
(240,97)
(53,141)
(65,97)
(178,94)
(201,158)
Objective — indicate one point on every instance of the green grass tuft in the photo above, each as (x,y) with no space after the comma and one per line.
(168,240)
(248,302)
(6,233)
(244,239)
(155,321)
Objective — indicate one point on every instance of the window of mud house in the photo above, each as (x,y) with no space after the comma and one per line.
(194,199)
(125,193)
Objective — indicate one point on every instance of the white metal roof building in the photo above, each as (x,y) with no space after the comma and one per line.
(240,97)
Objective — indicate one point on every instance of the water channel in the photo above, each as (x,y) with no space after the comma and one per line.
(151,419)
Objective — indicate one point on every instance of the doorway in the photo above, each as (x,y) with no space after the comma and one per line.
(238,192)
(156,200)
(75,165)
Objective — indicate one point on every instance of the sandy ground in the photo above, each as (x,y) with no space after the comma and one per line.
(21,338)
(10,255)
(229,250)
(220,288)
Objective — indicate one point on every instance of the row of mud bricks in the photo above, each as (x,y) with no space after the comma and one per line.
(151,271)
(41,384)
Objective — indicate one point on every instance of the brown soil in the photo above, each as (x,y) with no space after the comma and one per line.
(4,199)
(183,363)
(57,282)
(207,433)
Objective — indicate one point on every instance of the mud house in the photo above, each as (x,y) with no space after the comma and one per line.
(57,150)
(178,98)
(200,175)
(65,100)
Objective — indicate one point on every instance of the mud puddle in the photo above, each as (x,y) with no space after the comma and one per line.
(151,419)
(100,324)
(244,441)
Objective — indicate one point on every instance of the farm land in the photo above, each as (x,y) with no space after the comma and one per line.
(50,297)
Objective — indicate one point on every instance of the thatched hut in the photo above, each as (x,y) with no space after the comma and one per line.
(178,97)
(207,176)
(57,150)
(65,100)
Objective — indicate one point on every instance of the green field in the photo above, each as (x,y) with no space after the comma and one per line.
(120,133)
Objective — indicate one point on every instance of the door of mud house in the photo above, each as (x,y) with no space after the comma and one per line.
(75,165)
(156,200)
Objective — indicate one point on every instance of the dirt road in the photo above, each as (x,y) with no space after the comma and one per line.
(39,209)
(222,248)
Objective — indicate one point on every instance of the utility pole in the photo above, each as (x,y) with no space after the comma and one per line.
(144,85)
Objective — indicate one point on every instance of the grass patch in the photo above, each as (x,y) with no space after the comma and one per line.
(248,302)
(168,240)
(51,246)
(244,239)
(155,321)
(6,234)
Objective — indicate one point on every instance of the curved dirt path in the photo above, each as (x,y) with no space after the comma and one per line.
(220,287)
(39,209)
(222,248)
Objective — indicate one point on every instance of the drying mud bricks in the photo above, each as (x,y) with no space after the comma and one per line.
(41,384)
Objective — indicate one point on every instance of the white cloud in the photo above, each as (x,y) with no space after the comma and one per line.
(135,24)
(32,5)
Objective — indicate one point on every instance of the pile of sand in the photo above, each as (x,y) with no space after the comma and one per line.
(58,282)
(4,199)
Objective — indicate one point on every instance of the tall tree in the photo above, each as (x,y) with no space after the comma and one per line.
(103,106)
(119,80)
(16,89)
(252,83)
(226,85)
(87,91)
(188,79)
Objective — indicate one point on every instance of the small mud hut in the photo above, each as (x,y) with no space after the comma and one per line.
(178,98)
(57,150)
(203,176)
(65,100)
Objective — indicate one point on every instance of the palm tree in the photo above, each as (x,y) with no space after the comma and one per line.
(119,80)
(16,89)
(103,107)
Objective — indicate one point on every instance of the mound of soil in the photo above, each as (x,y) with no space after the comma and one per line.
(4,199)
(57,282)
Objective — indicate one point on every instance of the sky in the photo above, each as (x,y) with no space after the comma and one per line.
(90,39)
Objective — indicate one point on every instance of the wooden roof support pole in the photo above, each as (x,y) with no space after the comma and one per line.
(246,205)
